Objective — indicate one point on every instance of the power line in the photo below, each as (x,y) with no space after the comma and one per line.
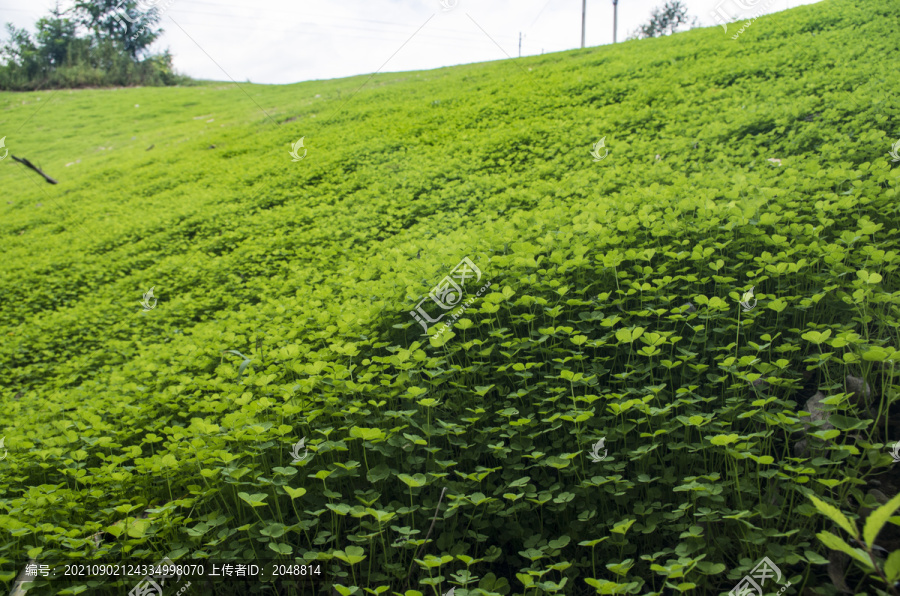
(431,31)
(443,41)
(310,14)
(539,14)
(33,10)
(436,36)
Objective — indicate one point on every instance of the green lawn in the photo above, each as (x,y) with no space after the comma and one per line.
(282,300)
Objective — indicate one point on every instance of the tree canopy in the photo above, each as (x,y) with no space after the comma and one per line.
(94,43)
(665,20)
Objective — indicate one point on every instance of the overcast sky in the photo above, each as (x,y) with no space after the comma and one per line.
(286,41)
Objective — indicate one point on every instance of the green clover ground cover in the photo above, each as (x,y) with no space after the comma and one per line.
(462,460)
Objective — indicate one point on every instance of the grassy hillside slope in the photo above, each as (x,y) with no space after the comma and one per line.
(285,289)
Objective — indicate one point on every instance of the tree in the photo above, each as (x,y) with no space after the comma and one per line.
(21,53)
(665,21)
(94,43)
(122,21)
(56,38)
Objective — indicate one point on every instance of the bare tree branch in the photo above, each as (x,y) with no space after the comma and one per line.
(35,168)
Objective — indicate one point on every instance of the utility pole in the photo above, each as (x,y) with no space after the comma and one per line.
(583,13)
(615,17)
(520,44)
